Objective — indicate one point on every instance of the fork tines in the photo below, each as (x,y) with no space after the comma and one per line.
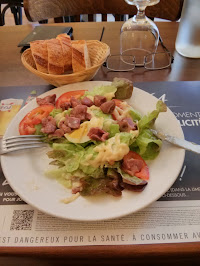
(22,137)
(21,142)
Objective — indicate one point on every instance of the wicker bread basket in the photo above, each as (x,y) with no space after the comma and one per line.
(98,52)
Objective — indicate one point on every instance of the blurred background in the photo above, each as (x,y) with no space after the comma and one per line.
(9,18)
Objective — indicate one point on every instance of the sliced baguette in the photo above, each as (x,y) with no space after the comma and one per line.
(55,57)
(80,56)
(66,45)
(40,55)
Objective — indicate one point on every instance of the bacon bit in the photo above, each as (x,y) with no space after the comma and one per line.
(88,116)
(87,101)
(74,102)
(58,133)
(108,107)
(98,100)
(48,125)
(46,100)
(96,133)
(73,122)
(65,105)
(127,124)
(79,111)
(64,127)
(131,166)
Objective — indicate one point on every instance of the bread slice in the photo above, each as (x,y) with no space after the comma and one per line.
(40,55)
(66,45)
(55,57)
(80,56)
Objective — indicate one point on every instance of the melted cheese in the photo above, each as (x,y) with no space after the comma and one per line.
(70,199)
(110,152)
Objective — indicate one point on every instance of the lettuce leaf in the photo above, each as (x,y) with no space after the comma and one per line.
(113,130)
(147,145)
(69,154)
(92,171)
(109,184)
(147,121)
(107,91)
(89,169)
(99,113)
(63,177)
(110,127)
(134,180)
(127,138)
(135,115)
(55,111)
(38,129)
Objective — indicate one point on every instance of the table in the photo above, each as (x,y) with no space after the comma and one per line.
(12,73)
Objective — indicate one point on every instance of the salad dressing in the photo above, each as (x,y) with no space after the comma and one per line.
(109,152)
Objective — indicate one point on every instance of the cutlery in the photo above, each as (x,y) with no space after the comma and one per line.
(22,142)
(187,145)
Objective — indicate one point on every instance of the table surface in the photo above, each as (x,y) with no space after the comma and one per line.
(13,73)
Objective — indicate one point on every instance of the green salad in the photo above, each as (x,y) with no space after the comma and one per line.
(99,144)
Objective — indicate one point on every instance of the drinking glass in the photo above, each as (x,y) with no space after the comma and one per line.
(139,35)
(188,37)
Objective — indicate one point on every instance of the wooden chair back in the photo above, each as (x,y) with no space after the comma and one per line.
(37,10)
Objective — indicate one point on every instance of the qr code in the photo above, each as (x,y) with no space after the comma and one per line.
(22,220)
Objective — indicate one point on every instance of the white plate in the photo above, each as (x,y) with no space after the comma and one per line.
(24,170)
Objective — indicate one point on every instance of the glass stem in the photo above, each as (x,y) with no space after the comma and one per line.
(140,12)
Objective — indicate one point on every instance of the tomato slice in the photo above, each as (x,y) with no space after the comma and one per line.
(65,97)
(118,102)
(144,173)
(34,117)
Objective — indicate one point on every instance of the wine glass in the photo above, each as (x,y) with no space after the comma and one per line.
(139,35)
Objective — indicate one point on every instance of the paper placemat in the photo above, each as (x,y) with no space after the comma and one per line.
(174,218)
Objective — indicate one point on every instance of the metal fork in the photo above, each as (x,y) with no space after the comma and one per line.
(22,142)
